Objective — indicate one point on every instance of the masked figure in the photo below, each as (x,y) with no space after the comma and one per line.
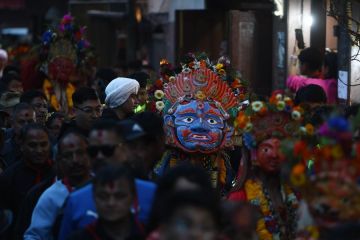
(263,126)
(329,182)
(199,106)
(67,61)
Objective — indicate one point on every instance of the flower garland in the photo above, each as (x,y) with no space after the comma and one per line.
(269,227)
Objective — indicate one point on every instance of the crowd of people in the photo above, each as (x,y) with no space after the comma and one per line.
(191,155)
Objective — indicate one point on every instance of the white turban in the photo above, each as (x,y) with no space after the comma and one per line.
(119,90)
(3,54)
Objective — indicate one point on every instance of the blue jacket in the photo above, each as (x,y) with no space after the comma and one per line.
(47,210)
(80,207)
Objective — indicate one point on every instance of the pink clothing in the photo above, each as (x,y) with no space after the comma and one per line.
(294,83)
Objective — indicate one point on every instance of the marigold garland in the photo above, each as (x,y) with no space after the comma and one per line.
(255,195)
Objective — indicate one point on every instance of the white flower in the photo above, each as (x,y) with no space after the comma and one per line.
(280,105)
(171,79)
(278,96)
(159,105)
(159,94)
(286,99)
(257,105)
(296,115)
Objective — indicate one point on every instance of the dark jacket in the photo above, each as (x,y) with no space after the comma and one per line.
(17,180)
(95,231)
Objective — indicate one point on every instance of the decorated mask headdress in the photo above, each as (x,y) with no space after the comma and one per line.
(198,103)
(65,51)
(330,183)
(261,120)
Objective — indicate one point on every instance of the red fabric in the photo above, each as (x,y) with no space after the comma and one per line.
(238,196)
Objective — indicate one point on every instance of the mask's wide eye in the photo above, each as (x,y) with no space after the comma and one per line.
(188,120)
(212,121)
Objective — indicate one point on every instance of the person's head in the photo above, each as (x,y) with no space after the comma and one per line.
(114,193)
(23,113)
(239,220)
(150,147)
(3,59)
(35,146)
(310,61)
(310,94)
(184,177)
(180,178)
(121,96)
(142,78)
(54,124)
(268,157)
(39,102)
(190,215)
(72,158)
(330,68)
(87,107)
(11,82)
(106,144)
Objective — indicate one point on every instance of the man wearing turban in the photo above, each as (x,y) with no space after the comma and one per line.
(121,97)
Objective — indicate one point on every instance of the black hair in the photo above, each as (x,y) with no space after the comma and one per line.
(32,126)
(191,198)
(312,57)
(310,94)
(107,125)
(152,124)
(106,74)
(52,117)
(28,96)
(330,61)
(166,185)
(20,107)
(84,94)
(71,132)
(141,77)
(6,79)
(11,69)
(111,173)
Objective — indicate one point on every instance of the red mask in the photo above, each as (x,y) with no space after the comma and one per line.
(268,155)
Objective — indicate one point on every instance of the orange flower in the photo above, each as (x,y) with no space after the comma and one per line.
(298,169)
(309,129)
(242,96)
(236,83)
(202,64)
(263,111)
(242,120)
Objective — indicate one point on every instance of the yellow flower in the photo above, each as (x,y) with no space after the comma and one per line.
(257,105)
(280,105)
(298,180)
(200,95)
(221,72)
(309,129)
(219,66)
(159,105)
(159,94)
